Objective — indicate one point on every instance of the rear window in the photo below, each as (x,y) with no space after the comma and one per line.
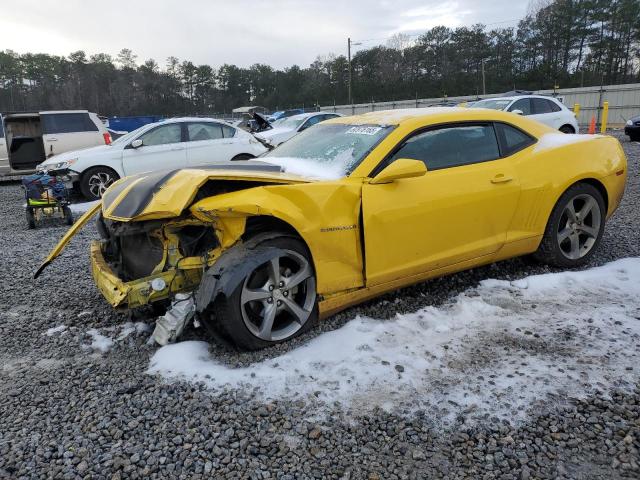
(67,123)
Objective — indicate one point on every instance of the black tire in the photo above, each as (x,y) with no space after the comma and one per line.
(95,180)
(227,315)
(567,129)
(31,219)
(68,216)
(634,138)
(242,156)
(553,250)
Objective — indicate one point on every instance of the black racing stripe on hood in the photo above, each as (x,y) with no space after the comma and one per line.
(137,199)
(112,192)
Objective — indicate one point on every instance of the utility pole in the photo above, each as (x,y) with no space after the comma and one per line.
(349,43)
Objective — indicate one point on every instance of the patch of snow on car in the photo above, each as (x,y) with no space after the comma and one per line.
(52,331)
(554,140)
(499,348)
(312,169)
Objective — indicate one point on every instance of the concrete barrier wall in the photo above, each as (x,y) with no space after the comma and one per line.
(624,102)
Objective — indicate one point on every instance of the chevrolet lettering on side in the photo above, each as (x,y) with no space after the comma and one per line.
(259,250)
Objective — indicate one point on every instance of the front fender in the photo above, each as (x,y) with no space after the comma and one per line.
(326,215)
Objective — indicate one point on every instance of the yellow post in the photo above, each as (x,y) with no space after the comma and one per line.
(605,115)
(576,109)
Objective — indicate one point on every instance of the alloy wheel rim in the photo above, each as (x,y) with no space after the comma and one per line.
(278,297)
(99,182)
(579,226)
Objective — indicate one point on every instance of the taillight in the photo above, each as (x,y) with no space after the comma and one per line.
(107,138)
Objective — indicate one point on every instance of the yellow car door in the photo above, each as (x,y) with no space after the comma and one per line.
(459,210)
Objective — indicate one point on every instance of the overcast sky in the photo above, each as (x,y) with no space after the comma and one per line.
(242,32)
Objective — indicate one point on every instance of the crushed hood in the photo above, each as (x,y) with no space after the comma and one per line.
(167,193)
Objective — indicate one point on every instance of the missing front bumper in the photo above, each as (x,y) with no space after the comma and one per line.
(137,293)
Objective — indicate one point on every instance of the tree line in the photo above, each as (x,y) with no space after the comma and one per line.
(565,43)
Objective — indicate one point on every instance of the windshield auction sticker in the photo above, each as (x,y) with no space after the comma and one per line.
(364,130)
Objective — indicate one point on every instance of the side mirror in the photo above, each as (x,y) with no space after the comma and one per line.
(137,143)
(401,168)
(517,112)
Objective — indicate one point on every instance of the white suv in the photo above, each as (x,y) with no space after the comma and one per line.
(547,110)
(27,139)
(170,144)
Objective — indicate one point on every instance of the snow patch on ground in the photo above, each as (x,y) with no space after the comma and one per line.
(103,343)
(554,140)
(52,331)
(500,348)
(130,327)
(83,207)
(99,341)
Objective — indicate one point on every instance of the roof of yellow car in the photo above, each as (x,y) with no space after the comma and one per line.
(437,115)
(398,116)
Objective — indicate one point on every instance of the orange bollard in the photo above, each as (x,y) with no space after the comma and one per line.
(592,125)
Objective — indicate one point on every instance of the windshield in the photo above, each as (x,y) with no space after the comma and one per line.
(129,136)
(290,123)
(493,104)
(327,151)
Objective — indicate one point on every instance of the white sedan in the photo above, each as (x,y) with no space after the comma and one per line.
(547,110)
(288,127)
(171,144)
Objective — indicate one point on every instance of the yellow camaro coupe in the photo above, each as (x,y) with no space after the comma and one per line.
(349,209)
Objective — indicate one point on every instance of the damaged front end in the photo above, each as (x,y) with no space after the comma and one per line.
(138,263)
(152,246)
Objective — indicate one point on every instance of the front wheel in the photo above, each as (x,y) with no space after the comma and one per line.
(567,129)
(274,303)
(95,181)
(574,229)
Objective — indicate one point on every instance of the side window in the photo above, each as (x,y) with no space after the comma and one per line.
(511,139)
(67,123)
(228,132)
(204,131)
(311,122)
(524,104)
(541,105)
(163,135)
(451,146)
(554,106)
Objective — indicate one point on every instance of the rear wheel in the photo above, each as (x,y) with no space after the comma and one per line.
(567,129)
(574,229)
(68,216)
(31,219)
(95,181)
(274,303)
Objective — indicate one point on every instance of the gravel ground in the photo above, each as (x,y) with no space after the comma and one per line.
(76,401)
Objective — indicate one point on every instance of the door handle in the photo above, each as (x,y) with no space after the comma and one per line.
(52,139)
(180,147)
(501,178)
